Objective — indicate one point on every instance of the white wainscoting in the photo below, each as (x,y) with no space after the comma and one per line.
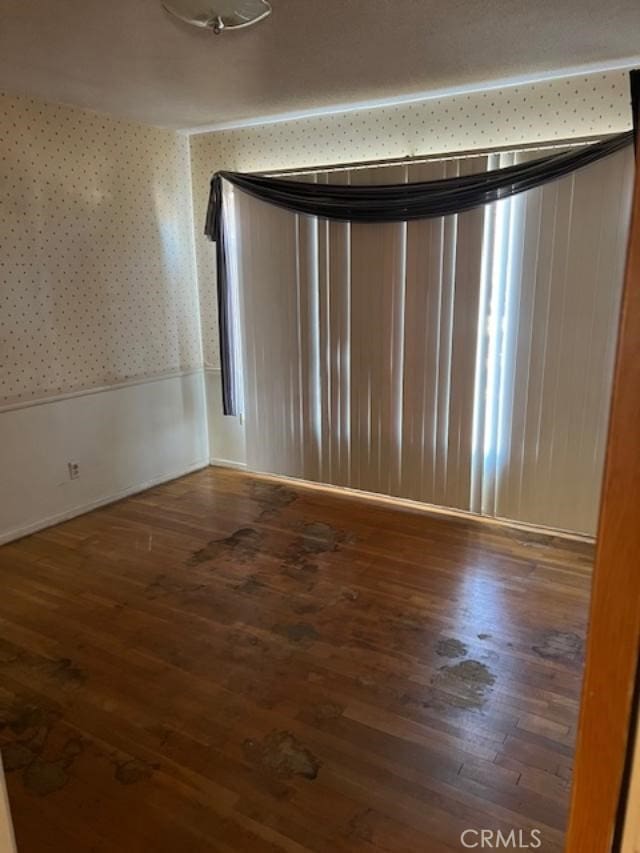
(125,438)
(226,434)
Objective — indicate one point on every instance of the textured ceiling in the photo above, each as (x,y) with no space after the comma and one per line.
(128,58)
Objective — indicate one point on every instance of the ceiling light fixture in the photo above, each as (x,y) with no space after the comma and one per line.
(219,15)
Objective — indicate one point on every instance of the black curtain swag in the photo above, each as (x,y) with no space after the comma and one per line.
(380,203)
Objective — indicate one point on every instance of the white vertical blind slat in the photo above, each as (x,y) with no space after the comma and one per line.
(338,237)
(570,243)
(463,361)
(378,262)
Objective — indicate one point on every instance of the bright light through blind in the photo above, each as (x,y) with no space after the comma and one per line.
(557,302)
(463,361)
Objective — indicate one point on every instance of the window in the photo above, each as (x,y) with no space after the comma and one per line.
(463,361)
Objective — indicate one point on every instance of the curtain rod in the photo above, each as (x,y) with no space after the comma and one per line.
(414,159)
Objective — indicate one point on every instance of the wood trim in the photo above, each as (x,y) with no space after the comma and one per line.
(631,836)
(7,837)
(45,399)
(628,826)
(614,629)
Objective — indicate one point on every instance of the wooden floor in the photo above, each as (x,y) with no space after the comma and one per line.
(224,663)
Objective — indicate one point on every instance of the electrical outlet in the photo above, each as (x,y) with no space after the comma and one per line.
(74,470)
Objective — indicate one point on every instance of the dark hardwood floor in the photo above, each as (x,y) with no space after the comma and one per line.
(224,663)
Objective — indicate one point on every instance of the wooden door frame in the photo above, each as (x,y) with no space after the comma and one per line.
(614,624)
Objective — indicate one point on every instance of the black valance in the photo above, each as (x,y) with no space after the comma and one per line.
(404,202)
(382,203)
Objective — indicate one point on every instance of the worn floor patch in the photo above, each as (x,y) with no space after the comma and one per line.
(8,652)
(529,538)
(242,544)
(328,711)
(26,747)
(303,608)
(466,683)
(317,537)
(61,670)
(162,586)
(24,731)
(281,754)
(15,756)
(298,632)
(251,585)
(451,648)
(18,716)
(130,772)
(271,497)
(360,826)
(46,777)
(314,538)
(560,645)
(349,595)
(65,671)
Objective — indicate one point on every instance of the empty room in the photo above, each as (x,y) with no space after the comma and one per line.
(319,426)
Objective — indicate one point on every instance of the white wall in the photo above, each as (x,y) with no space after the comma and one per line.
(97,291)
(226,434)
(125,439)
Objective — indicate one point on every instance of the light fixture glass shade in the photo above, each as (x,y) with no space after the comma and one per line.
(219,15)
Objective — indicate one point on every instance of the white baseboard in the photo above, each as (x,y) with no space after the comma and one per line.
(82,509)
(228,463)
(418,506)
(124,439)
(371,497)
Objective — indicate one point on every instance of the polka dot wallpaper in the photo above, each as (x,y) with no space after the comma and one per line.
(515,115)
(97,276)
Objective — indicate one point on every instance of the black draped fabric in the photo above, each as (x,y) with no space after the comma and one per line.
(634,80)
(404,202)
(384,203)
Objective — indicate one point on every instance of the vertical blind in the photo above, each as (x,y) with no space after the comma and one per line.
(463,361)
